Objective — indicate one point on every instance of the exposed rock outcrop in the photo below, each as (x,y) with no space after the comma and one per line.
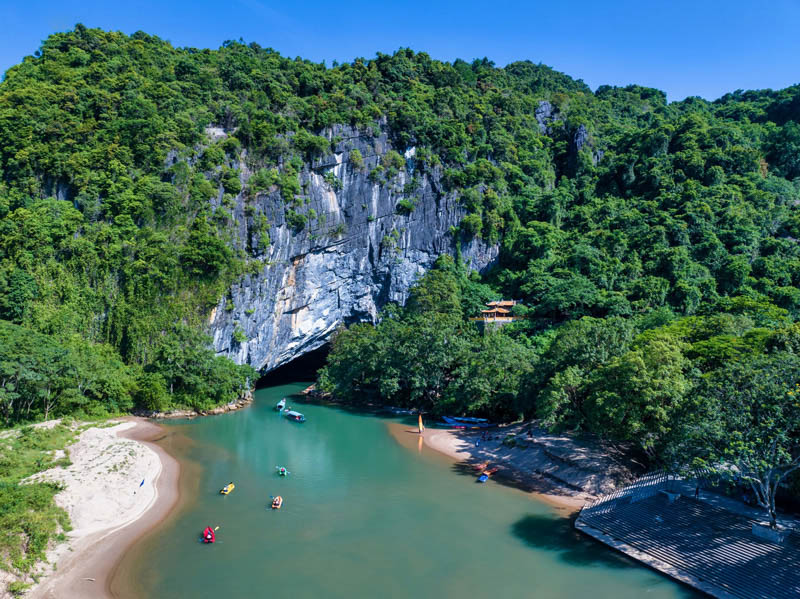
(356,253)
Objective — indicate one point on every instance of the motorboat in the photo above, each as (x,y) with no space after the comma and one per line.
(296,416)
(280,405)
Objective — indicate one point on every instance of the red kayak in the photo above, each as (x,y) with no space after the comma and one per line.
(208,535)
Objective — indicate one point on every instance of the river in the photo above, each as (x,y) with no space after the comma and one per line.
(363,516)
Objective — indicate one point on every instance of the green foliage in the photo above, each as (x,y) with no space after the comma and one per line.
(239,335)
(656,253)
(29,518)
(356,159)
(296,220)
(405,207)
(426,355)
(747,415)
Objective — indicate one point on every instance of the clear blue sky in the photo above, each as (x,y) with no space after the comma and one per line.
(686,48)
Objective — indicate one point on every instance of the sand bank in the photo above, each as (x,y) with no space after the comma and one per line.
(556,469)
(108,505)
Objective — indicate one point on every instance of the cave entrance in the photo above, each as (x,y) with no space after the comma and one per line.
(303,368)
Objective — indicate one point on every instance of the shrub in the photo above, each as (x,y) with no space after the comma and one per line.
(405,207)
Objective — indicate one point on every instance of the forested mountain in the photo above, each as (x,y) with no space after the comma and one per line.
(654,246)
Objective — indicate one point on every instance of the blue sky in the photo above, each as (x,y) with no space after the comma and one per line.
(699,48)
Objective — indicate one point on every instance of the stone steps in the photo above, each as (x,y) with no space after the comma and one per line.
(706,542)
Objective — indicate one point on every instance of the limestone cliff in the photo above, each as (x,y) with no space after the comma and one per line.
(357,252)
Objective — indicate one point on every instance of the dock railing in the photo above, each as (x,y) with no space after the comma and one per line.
(642,488)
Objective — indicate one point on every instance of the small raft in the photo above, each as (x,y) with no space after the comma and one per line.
(277,502)
(282,471)
(227,489)
(208,535)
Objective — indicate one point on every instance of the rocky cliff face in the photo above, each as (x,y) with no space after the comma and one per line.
(356,253)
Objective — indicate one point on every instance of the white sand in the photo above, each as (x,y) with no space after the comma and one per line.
(102,495)
(561,470)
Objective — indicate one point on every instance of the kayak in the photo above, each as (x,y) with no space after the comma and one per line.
(277,502)
(280,405)
(486,474)
(208,535)
(467,422)
(227,489)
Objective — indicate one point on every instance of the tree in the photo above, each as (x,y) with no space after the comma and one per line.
(749,420)
(637,395)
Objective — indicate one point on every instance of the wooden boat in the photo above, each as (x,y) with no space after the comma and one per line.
(227,489)
(277,502)
(280,405)
(296,416)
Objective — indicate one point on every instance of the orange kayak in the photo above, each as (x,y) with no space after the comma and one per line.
(277,502)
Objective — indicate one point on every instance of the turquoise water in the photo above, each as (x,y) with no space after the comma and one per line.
(363,516)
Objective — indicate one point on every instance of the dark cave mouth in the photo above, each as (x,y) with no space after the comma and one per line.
(303,368)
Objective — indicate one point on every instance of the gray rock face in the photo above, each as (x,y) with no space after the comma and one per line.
(355,254)
(545,114)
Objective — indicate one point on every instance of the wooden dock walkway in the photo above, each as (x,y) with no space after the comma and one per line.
(701,544)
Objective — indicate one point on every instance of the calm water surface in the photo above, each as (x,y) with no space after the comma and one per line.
(363,516)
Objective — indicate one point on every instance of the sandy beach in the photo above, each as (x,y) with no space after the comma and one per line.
(555,469)
(108,505)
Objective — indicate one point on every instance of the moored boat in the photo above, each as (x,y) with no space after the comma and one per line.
(296,416)
(280,405)
(486,474)
(467,422)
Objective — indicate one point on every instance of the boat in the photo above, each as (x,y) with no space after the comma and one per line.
(467,422)
(208,535)
(227,489)
(277,502)
(282,470)
(280,405)
(486,474)
(296,416)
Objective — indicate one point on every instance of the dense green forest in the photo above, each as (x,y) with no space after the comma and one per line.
(654,245)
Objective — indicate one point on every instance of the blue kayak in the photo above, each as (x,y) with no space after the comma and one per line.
(483,478)
(467,422)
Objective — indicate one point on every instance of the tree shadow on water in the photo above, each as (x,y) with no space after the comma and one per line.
(558,535)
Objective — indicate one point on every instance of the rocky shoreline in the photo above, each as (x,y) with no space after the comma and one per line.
(233,406)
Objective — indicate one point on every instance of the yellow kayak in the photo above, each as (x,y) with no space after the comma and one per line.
(227,489)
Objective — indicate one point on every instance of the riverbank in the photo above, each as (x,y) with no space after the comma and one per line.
(557,469)
(108,504)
